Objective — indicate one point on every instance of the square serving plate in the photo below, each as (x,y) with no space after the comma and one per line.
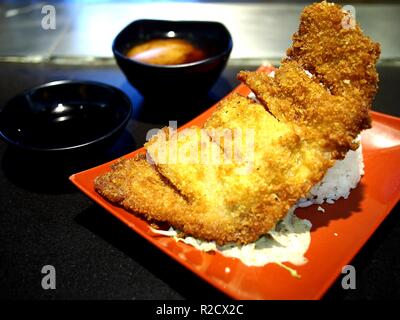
(336,235)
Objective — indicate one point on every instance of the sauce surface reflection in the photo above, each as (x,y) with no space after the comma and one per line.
(171,51)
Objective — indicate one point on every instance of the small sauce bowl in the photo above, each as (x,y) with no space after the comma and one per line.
(64,115)
(153,79)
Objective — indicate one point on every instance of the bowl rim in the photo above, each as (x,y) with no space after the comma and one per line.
(102,85)
(225,52)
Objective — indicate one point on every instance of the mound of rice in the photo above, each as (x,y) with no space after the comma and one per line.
(338,181)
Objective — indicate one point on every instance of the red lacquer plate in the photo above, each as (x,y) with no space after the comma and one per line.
(336,236)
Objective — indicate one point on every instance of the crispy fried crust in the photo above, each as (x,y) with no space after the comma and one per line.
(240,205)
(293,97)
(220,202)
(136,185)
(128,184)
(336,52)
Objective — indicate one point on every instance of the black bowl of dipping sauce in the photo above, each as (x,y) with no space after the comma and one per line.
(65,116)
(172,59)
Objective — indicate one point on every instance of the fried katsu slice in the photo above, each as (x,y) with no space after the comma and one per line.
(189,160)
(214,201)
(294,97)
(280,159)
(242,199)
(137,186)
(231,143)
(331,45)
(226,201)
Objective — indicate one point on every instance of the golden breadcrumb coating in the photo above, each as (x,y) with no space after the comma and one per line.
(236,196)
(292,96)
(336,52)
(225,202)
(210,201)
(129,182)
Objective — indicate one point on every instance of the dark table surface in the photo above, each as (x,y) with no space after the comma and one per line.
(44,220)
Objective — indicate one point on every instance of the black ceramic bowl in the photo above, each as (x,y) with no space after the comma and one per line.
(64,115)
(162,81)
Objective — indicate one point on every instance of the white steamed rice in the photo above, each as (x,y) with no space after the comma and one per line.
(338,181)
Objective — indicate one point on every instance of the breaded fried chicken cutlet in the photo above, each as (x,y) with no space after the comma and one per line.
(293,97)
(234,178)
(335,50)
